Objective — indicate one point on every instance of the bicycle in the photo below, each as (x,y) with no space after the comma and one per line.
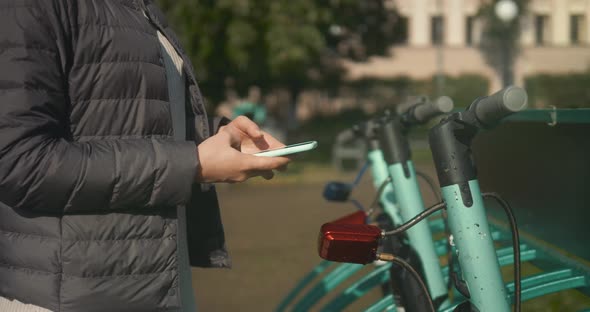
(394,138)
(481,282)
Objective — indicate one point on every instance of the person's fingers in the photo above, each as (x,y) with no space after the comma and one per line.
(264,163)
(272,141)
(267,175)
(233,135)
(247,127)
(282,168)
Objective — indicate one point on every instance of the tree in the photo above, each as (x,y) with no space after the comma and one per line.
(279,43)
(499,43)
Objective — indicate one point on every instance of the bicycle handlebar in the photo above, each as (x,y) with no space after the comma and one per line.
(418,110)
(426,111)
(364,130)
(421,113)
(411,102)
(491,109)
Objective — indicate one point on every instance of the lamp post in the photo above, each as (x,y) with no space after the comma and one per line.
(506,11)
(440,59)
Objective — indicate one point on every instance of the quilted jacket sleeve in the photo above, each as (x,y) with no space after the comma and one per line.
(40,167)
(217,122)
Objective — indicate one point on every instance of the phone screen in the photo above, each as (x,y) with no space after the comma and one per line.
(289,149)
(289,146)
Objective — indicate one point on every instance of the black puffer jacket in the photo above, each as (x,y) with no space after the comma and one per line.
(90,177)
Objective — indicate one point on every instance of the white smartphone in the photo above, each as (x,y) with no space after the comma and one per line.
(289,149)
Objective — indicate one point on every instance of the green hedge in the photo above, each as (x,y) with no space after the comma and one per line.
(324,129)
(463,89)
(562,91)
(388,93)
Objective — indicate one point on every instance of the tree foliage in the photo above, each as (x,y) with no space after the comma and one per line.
(500,39)
(277,43)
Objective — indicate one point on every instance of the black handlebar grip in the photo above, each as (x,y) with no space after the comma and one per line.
(424,112)
(507,101)
(411,102)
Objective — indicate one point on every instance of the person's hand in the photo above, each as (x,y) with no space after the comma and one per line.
(226,156)
(253,140)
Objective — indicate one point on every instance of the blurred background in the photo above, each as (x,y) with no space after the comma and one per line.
(307,69)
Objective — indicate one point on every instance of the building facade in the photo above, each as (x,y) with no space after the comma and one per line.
(443,36)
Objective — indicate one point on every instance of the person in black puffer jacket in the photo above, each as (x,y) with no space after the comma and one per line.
(106,159)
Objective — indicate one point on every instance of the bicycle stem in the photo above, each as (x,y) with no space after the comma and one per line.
(368,131)
(396,151)
(387,197)
(450,142)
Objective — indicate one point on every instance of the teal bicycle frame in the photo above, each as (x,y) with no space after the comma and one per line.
(401,169)
(388,197)
(450,143)
(475,248)
(394,205)
(343,271)
(420,235)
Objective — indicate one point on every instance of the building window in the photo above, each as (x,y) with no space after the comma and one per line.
(540,29)
(437,31)
(576,28)
(401,30)
(469,24)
